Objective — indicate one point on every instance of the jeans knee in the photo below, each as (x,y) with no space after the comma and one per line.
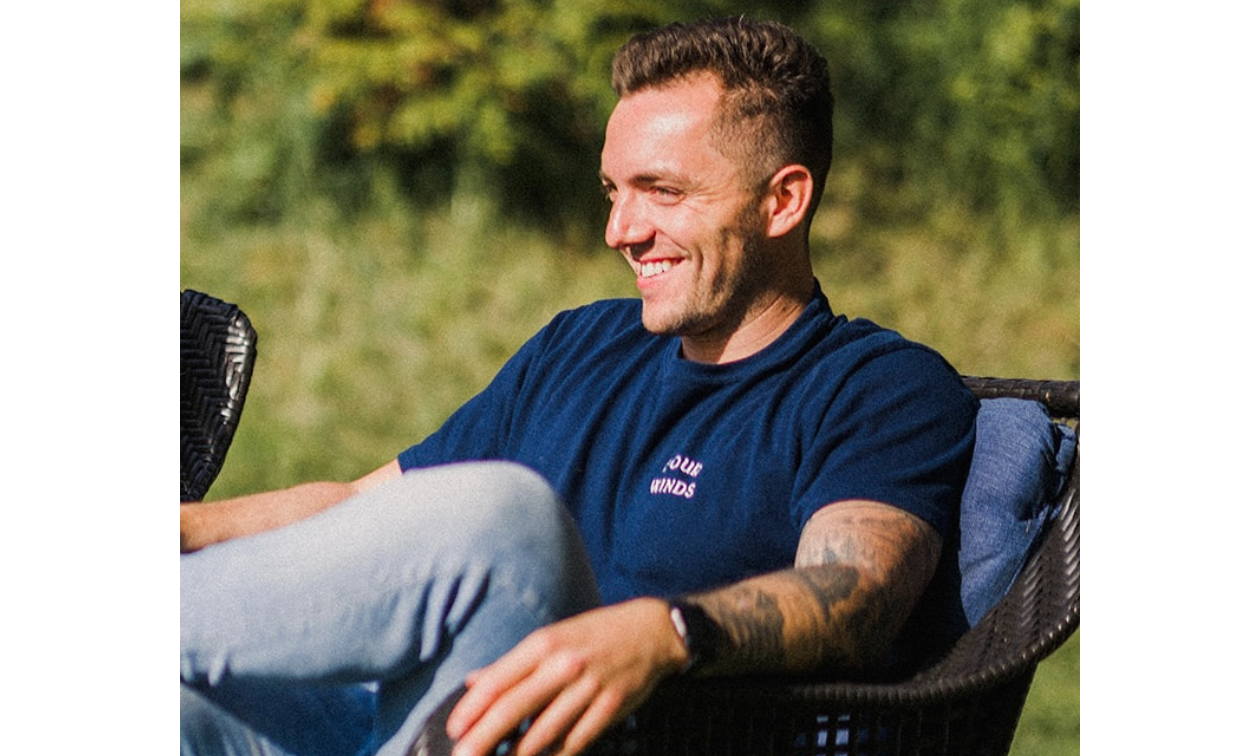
(486,503)
(514,519)
(515,486)
(516,506)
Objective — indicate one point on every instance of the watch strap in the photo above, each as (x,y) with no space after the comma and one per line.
(699,633)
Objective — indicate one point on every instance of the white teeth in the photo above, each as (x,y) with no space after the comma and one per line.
(647,270)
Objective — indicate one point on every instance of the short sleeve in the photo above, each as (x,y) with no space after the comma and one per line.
(899,429)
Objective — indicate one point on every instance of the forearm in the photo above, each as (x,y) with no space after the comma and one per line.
(860,572)
(797,620)
(203,524)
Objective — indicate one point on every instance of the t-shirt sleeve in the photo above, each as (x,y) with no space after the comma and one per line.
(899,430)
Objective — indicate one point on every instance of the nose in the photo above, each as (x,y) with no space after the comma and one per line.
(628,225)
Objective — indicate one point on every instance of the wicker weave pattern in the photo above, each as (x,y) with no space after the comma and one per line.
(217,345)
(1062,398)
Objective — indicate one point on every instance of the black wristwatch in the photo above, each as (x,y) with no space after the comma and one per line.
(700,634)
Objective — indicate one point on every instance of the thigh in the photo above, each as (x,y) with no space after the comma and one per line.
(414,583)
(374,586)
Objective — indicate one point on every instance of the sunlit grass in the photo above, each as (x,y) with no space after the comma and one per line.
(1051,723)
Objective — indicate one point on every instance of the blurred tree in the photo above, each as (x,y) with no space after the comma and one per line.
(947,101)
(497,106)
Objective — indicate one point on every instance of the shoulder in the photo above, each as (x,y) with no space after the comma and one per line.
(586,336)
(862,351)
(870,377)
(601,315)
(593,325)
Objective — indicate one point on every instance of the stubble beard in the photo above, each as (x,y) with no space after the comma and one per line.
(715,309)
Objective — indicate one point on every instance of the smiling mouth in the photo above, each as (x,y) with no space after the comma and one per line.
(653,269)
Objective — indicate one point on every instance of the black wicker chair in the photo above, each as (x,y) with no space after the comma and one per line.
(967,704)
(217,345)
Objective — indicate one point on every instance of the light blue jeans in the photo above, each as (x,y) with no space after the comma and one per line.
(340,634)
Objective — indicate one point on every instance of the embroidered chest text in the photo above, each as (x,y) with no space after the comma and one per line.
(679,478)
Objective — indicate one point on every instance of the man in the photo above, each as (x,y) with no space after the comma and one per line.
(723,478)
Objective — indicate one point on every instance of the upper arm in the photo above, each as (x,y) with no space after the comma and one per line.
(866,531)
(894,552)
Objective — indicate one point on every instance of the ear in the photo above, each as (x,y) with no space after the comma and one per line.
(787,199)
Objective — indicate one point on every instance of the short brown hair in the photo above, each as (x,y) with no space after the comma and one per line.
(777,104)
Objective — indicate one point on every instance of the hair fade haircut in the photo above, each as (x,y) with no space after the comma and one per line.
(777,106)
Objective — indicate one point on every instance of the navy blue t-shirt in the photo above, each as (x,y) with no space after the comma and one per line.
(684,476)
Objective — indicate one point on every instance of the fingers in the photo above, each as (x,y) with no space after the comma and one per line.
(606,710)
(509,692)
(573,679)
(558,719)
(487,685)
(567,726)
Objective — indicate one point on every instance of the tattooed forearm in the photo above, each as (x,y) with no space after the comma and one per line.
(861,568)
(752,624)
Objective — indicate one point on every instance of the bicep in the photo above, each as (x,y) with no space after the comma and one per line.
(889,546)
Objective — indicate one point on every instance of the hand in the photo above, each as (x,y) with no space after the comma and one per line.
(576,678)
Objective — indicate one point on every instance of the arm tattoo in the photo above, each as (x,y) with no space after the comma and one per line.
(752,623)
(859,572)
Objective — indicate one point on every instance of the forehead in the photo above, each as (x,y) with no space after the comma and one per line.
(663,127)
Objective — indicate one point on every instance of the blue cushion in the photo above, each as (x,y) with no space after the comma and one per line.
(1019,466)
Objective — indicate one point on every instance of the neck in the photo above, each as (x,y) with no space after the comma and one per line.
(766,321)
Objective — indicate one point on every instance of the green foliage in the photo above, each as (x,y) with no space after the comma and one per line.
(1051,723)
(972,101)
(372,332)
(497,105)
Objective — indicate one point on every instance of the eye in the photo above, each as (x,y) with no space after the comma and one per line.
(667,194)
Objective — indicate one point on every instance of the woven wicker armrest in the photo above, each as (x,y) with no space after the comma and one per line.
(217,345)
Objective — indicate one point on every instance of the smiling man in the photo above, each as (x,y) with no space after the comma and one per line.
(719,250)
(723,477)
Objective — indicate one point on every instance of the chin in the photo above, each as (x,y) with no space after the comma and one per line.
(658,329)
(661,325)
(675,319)
(665,324)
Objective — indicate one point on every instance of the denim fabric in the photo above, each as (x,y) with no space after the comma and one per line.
(310,720)
(1020,463)
(412,585)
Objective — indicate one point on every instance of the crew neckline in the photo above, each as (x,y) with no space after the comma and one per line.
(787,345)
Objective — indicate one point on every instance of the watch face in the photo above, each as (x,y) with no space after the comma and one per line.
(680,625)
(699,633)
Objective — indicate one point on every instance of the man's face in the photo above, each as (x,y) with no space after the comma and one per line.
(682,213)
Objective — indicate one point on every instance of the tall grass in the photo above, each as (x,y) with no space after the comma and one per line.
(372,331)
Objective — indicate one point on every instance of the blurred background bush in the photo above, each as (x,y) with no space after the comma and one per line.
(400,192)
(501,103)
